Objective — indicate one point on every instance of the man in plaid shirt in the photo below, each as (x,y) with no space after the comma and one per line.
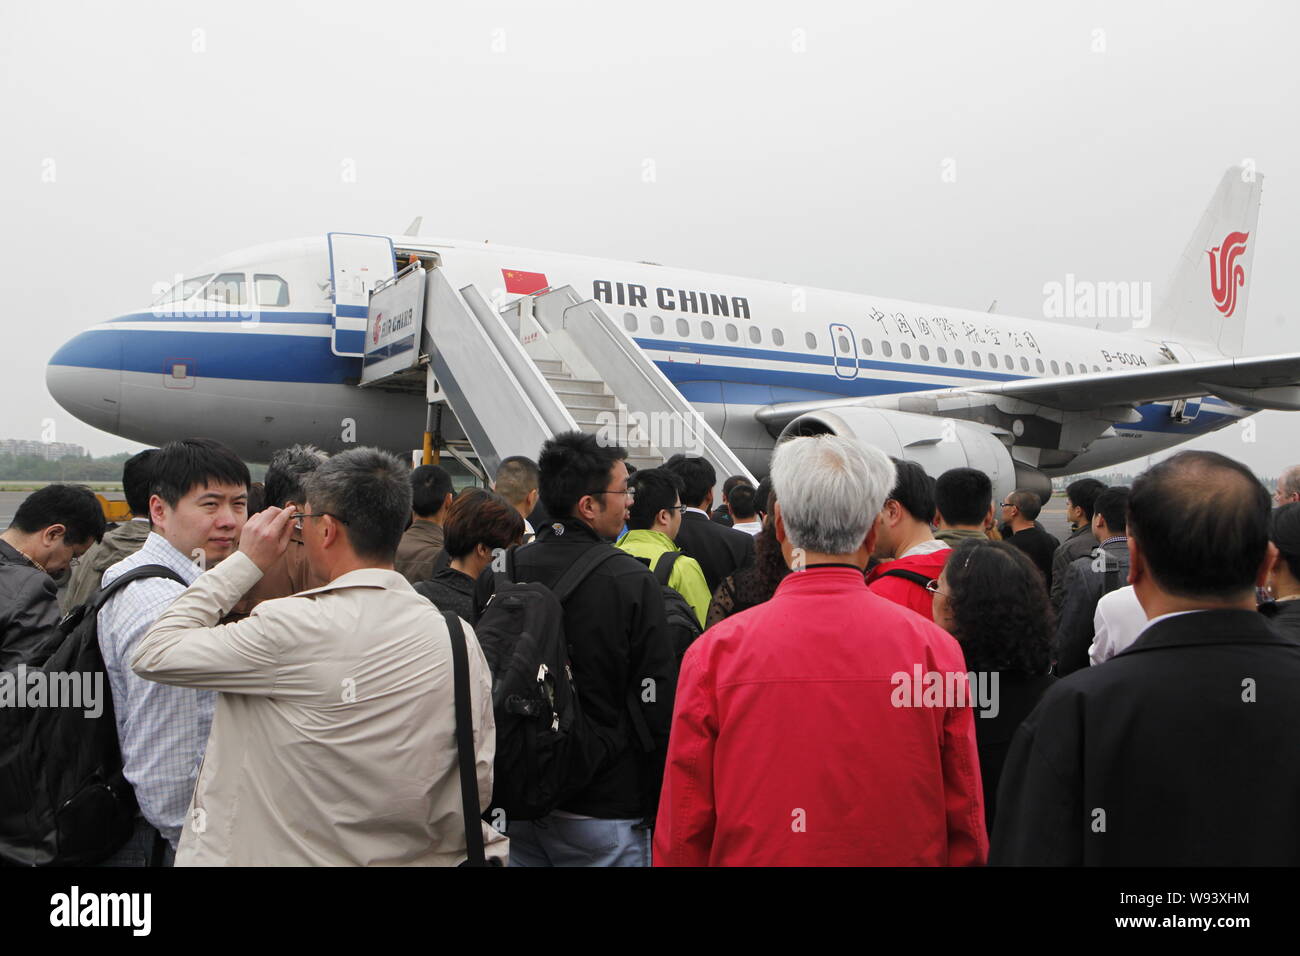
(197,507)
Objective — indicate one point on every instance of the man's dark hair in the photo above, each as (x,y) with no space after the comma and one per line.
(963,496)
(1027,503)
(731,483)
(481,517)
(697,475)
(741,502)
(181,466)
(574,464)
(1284,532)
(287,471)
(73,506)
(135,481)
(1112,505)
(656,489)
(515,478)
(1002,616)
(430,486)
(1201,522)
(913,489)
(368,489)
(762,496)
(1083,494)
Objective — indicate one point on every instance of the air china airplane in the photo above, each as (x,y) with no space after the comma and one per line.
(263,348)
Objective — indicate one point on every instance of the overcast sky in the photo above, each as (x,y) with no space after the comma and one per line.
(804,144)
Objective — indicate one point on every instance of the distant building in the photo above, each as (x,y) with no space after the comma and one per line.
(49,450)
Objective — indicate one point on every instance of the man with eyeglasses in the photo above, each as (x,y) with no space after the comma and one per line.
(653,520)
(621,651)
(1020,510)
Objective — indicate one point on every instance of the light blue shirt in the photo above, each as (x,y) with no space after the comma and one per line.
(162,730)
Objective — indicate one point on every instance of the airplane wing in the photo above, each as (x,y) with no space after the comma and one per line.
(1260,382)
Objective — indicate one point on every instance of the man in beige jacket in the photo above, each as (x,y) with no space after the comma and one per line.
(334,736)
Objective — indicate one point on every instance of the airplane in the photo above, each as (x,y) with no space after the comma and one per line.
(1025,398)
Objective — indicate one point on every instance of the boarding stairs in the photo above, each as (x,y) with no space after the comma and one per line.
(548,362)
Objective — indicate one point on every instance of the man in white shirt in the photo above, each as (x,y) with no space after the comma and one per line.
(198,504)
(1118,621)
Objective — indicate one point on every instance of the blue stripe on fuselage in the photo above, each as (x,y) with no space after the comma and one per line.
(236,355)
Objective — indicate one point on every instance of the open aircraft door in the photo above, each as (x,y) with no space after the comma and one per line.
(358,263)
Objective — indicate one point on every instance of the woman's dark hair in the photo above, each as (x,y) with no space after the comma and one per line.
(769,562)
(481,517)
(1284,532)
(1001,613)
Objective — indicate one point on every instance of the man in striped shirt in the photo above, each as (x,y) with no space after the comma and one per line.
(197,506)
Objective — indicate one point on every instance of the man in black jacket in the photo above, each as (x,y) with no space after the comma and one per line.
(51,530)
(624,667)
(1080,498)
(1176,752)
(1020,510)
(1090,577)
(719,550)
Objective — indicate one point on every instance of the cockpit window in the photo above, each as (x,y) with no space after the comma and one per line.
(227,288)
(183,290)
(271,290)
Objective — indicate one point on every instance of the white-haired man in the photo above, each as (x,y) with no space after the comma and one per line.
(801,733)
(1288,487)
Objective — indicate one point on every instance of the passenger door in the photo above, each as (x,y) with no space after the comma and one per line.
(358,263)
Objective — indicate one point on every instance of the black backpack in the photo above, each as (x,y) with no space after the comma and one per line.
(682,620)
(63,798)
(544,749)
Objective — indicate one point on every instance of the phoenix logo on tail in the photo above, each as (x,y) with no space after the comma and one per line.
(1225,273)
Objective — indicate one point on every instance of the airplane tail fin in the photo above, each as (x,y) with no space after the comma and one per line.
(1205,301)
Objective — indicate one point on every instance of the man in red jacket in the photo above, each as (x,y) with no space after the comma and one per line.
(828,726)
(909,554)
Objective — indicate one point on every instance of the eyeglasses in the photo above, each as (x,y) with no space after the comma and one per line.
(323,514)
(1007,504)
(933,587)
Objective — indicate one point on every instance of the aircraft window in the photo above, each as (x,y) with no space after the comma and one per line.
(629,321)
(271,290)
(925,353)
(656,325)
(1010,362)
(227,288)
(906,350)
(706,329)
(1095,369)
(886,349)
(1056,369)
(778,337)
(961,359)
(183,289)
(866,346)
(943,355)
(1041,369)
(732,334)
(975,359)
(683,328)
(755,334)
(810,340)
(843,344)
(1069,369)
(993,360)
(1024,364)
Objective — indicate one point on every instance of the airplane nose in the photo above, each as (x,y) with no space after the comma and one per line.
(85,377)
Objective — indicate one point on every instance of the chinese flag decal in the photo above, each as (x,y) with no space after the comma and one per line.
(522,283)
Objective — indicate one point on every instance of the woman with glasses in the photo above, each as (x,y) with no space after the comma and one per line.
(1284,572)
(479,524)
(991,597)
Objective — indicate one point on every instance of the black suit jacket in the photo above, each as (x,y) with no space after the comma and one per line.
(719,550)
(1179,751)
